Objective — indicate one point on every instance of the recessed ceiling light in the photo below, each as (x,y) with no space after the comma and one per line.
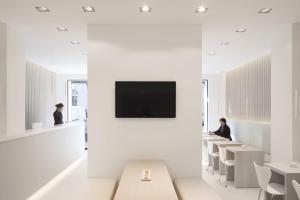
(201,9)
(241,30)
(42,9)
(145,8)
(265,10)
(212,54)
(225,43)
(88,9)
(61,28)
(75,42)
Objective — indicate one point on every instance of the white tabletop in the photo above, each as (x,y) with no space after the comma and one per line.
(132,188)
(227,142)
(283,168)
(242,149)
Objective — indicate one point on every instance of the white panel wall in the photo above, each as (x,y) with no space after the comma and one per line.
(40,95)
(2,78)
(248,91)
(144,53)
(29,162)
(216,95)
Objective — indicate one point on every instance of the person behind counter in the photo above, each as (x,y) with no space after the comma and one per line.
(57,115)
(224,130)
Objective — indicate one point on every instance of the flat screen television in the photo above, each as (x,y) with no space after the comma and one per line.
(144,99)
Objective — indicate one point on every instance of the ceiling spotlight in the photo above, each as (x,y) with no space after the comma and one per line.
(42,9)
(212,54)
(75,42)
(145,8)
(201,9)
(88,9)
(241,30)
(224,43)
(265,10)
(62,29)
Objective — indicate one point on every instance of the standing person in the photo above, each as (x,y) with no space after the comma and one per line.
(57,115)
(224,130)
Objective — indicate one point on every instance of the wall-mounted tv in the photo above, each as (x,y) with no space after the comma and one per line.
(144,99)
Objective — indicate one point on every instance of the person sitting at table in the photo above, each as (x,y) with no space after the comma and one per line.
(223,131)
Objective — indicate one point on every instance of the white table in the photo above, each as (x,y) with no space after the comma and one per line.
(244,172)
(132,188)
(226,143)
(284,174)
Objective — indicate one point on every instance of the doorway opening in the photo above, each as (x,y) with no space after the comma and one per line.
(78,103)
(205,106)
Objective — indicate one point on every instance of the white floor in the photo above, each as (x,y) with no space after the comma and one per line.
(73,184)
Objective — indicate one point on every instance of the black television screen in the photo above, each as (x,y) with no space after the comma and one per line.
(145,99)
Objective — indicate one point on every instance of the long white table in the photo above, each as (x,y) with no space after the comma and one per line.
(283,173)
(131,187)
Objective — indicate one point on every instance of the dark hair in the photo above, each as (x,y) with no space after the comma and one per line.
(60,105)
(223,120)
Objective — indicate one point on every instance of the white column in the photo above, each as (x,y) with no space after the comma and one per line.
(296,91)
(2,78)
(285,136)
(281,96)
(12,79)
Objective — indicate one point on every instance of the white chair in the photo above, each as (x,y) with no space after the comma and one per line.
(297,188)
(263,177)
(212,155)
(225,162)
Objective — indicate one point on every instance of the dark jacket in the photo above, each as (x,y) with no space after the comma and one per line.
(58,118)
(224,132)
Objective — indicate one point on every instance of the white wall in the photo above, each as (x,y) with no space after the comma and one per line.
(62,90)
(216,95)
(254,133)
(29,162)
(2,78)
(144,53)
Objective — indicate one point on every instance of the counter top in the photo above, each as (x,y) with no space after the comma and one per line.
(33,132)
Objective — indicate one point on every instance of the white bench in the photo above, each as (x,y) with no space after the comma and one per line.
(194,189)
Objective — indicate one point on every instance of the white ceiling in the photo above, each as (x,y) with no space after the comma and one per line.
(50,48)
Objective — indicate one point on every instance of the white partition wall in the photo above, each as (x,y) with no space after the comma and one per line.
(29,160)
(144,53)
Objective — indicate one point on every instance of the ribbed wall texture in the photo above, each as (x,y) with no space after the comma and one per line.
(40,95)
(248,91)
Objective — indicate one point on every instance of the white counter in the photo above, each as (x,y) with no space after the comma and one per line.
(33,132)
(31,159)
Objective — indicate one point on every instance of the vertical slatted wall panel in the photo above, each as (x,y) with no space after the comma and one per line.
(248,91)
